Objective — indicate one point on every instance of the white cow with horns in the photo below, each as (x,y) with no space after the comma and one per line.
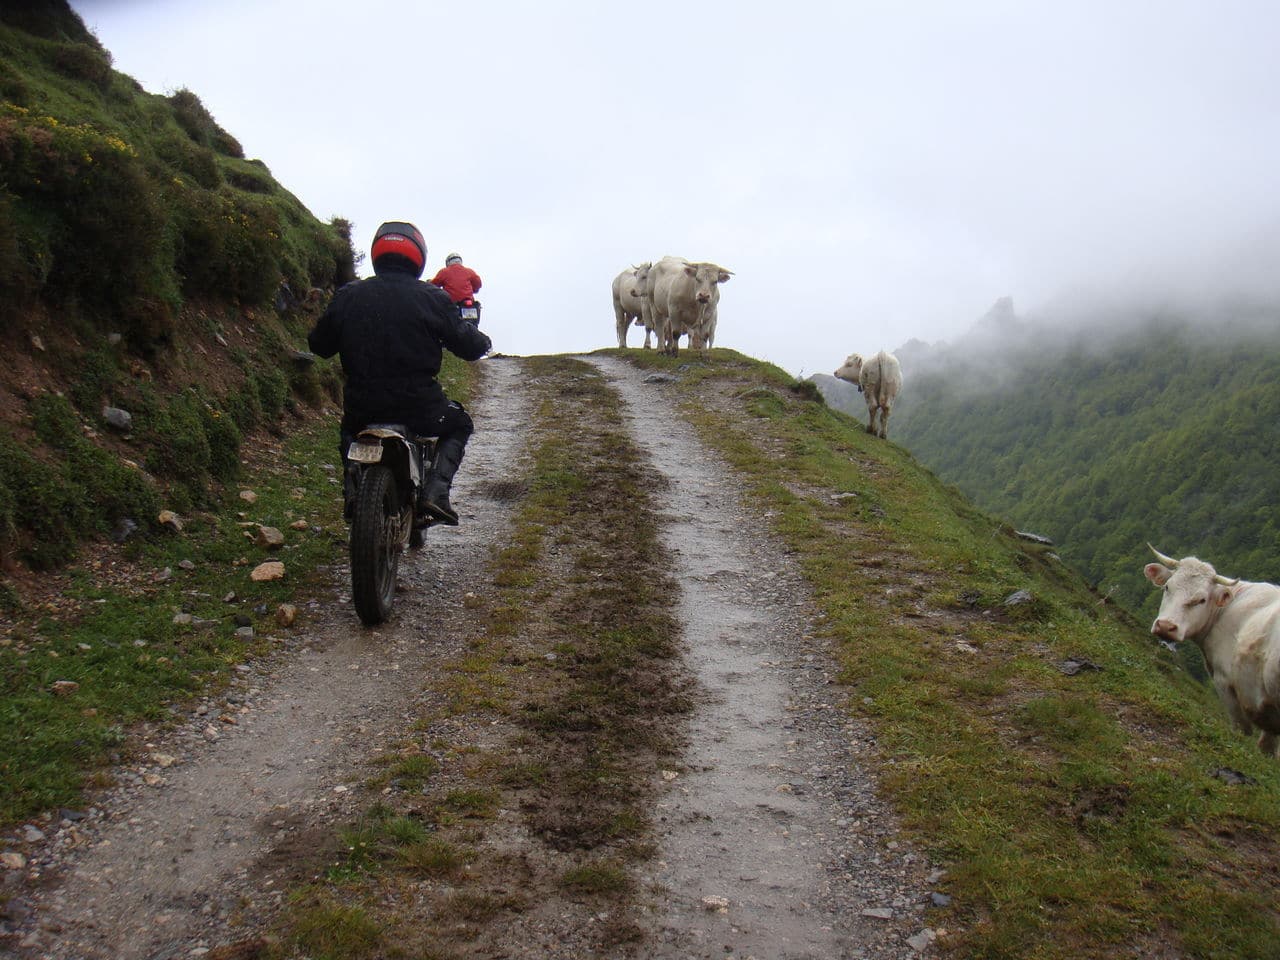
(880,381)
(1237,626)
(685,300)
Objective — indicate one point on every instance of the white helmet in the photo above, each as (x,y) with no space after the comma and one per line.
(452,259)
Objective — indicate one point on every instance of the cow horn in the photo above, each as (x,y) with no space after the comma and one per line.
(1225,581)
(1167,561)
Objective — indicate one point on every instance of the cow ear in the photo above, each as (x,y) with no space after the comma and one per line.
(1222,597)
(724,276)
(1157,573)
(691,270)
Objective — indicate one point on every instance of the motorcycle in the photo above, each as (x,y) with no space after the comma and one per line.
(469,310)
(386,467)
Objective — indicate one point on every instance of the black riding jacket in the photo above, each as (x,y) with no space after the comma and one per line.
(389,330)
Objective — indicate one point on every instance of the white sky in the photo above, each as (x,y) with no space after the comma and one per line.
(871,171)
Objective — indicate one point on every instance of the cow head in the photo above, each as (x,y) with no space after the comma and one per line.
(852,370)
(1194,595)
(640,279)
(705,276)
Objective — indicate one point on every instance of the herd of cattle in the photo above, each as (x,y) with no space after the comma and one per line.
(1236,623)
(675,297)
(670,298)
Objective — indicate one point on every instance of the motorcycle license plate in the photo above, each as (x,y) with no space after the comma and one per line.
(365,452)
(470,313)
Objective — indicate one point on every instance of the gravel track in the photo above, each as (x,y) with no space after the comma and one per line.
(774,840)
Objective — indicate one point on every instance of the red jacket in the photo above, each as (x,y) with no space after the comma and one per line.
(459,282)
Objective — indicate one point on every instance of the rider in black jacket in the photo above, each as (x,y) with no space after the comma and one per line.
(389,330)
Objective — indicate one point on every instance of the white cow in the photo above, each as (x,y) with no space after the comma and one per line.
(628,291)
(1236,624)
(880,381)
(685,300)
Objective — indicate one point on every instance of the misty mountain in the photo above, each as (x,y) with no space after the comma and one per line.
(1111,433)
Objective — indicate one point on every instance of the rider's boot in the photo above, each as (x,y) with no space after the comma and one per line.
(435,492)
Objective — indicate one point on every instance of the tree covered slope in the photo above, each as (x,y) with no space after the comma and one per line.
(1167,434)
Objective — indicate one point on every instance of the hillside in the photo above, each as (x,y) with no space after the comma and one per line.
(658,646)
(1104,440)
(706,671)
(142,258)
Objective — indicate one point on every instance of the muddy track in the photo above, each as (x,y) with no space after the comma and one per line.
(771,840)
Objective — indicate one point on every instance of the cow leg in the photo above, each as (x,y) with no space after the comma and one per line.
(623,322)
(871,415)
(884,422)
(1267,743)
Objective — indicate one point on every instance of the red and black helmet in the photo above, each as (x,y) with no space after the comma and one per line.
(400,244)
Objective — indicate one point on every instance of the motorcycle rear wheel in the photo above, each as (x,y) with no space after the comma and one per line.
(375,545)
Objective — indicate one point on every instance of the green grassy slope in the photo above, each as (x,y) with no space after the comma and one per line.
(123,205)
(140,257)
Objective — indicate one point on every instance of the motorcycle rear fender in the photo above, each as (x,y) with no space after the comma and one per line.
(389,446)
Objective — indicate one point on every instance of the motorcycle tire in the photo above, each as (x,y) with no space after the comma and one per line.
(375,546)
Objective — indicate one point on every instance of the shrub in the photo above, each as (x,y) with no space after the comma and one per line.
(113,489)
(272,389)
(97,372)
(91,228)
(14,86)
(48,511)
(23,263)
(198,163)
(245,409)
(200,126)
(226,246)
(84,62)
(246,178)
(177,445)
(224,442)
(344,255)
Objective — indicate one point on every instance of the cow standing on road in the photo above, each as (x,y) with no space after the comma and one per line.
(879,379)
(686,299)
(1236,624)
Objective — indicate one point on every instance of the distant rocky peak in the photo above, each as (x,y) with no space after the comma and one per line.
(1001,316)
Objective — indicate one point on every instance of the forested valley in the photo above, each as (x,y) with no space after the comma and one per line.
(1104,440)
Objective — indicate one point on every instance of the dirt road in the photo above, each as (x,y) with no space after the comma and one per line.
(772,843)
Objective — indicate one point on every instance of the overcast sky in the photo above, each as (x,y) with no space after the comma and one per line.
(870,171)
